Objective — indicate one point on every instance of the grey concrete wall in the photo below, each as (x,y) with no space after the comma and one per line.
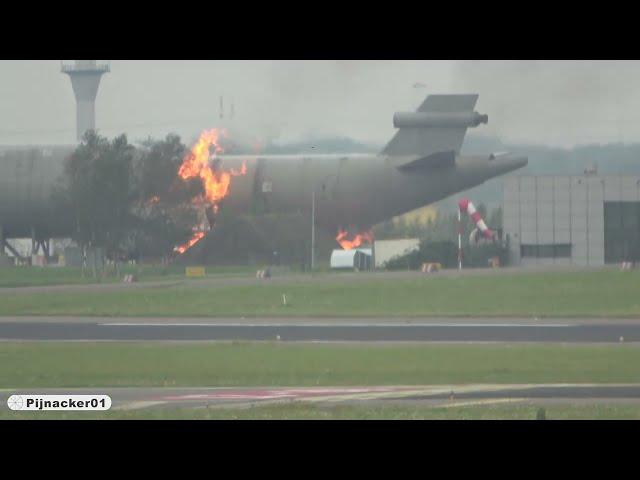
(595,220)
(547,210)
(511,217)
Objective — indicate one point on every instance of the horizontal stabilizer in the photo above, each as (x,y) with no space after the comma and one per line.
(434,161)
(449,103)
(439,125)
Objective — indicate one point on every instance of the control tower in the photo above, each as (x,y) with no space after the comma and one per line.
(85,78)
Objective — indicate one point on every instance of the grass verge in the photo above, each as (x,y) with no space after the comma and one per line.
(41,365)
(348,412)
(11,277)
(606,293)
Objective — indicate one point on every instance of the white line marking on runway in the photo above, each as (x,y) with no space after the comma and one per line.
(480,402)
(358,325)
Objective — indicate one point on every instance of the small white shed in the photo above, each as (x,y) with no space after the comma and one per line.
(358,258)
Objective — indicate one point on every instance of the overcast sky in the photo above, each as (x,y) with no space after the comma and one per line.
(560,103)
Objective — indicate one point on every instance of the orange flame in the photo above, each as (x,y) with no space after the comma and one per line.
(197,236)
(216,182)
(196,164)
(348,243)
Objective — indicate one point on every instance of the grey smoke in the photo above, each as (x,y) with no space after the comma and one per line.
(560,103)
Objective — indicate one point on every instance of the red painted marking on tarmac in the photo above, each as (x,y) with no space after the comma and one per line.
(281,393)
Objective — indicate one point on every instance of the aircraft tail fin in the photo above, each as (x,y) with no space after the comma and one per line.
(438,126)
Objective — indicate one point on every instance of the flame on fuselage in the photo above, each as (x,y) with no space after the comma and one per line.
(349,242)
(197,236)
(196,163)
(215,180)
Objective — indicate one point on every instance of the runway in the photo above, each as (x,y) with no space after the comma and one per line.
(434,395)
(319,330)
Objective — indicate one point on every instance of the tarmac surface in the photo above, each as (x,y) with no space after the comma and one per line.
(436,395)
(320,330)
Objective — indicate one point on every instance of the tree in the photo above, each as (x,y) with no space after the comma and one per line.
(156,172)
(115,195)
(163,202)
(97,190)
(127,201)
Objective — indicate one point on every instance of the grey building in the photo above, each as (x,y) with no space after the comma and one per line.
(585,220)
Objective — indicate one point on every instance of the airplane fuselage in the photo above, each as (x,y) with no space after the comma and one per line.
(351,191)
(420,165)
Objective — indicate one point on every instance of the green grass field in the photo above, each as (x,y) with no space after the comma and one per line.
(41,365)
(48,365)
(606,293)
(27,276)
(349,412)
(34,276)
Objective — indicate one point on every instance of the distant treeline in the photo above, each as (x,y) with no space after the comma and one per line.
(446,254)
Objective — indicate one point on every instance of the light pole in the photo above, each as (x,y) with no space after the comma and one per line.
(313,218)
(459,239)
(313,229)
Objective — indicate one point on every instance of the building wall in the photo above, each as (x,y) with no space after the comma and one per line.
(552,211)
(385,250)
